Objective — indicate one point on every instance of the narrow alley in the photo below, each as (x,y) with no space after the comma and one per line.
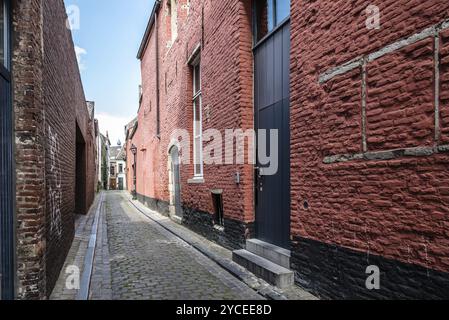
(137,259)
(236,150)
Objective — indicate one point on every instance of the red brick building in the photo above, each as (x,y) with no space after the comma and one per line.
(359,96)
(48,147)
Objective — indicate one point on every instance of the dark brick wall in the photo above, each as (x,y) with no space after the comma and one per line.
(65,108)
(334,272)
(30,146)
(154,204)
(233,236)
(49,103)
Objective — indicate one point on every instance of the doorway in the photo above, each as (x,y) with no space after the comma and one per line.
(175,179)
(272,112)
(80,173)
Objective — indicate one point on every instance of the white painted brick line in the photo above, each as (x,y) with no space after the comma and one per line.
(387,154)
(344,68)
(437,86)
(364,103)
(348,66)
(402,43)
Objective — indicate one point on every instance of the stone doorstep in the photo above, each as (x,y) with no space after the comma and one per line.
(269,271)
(270,252)
(223,257)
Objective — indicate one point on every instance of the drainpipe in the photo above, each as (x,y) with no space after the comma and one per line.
(158,115)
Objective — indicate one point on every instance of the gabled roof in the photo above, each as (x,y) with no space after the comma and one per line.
(122,154)
(114,151)
(105,139)
(131,128)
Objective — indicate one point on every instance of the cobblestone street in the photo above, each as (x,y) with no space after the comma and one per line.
(137,259)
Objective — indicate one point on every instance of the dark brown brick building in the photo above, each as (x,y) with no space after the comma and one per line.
(361,111)
(48,147)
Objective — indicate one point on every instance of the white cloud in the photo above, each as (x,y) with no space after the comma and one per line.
(114,125)
(79,56)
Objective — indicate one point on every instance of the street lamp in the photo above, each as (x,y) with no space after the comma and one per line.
(134,152)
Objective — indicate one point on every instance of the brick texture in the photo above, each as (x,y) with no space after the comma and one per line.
(223,29)
(49,105)
(30,145)
(394,209)
(398,208)
(400,104)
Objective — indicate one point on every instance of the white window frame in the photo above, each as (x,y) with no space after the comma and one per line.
(197,103)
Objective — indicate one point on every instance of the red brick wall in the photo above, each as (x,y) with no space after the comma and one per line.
(395,206)
(65,108)
(227,101)
(49,102)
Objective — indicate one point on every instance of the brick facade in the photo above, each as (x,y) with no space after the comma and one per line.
(223,31)
(49,104)
(384,202)
(369,137)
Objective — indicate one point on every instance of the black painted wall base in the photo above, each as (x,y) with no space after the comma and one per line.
(333,272)
(232,237)
(163,207)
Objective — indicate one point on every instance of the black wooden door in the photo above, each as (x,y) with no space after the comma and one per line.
(7,243)
(272,112)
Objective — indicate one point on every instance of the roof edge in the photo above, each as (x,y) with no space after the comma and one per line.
(146,36)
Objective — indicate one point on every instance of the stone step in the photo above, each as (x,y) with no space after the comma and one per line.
(269,251)
(265,269)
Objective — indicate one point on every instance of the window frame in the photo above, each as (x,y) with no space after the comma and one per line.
(197,123)
(5,61)
(257,39)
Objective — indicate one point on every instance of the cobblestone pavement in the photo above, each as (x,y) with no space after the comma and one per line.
(148,262)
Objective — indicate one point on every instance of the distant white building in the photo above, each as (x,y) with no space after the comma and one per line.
(117,165)
(103,147)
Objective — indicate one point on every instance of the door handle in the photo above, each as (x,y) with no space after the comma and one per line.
(259,171)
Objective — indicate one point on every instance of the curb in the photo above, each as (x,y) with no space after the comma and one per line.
(83,293)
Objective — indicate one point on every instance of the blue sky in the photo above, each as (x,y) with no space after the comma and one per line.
(107,41)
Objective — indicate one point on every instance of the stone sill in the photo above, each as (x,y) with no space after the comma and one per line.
(198,180)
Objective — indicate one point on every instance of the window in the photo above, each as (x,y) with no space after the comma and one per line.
(112,171)
(217,199)
(120,168)
(197,121)
(269,14)
(4,34)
